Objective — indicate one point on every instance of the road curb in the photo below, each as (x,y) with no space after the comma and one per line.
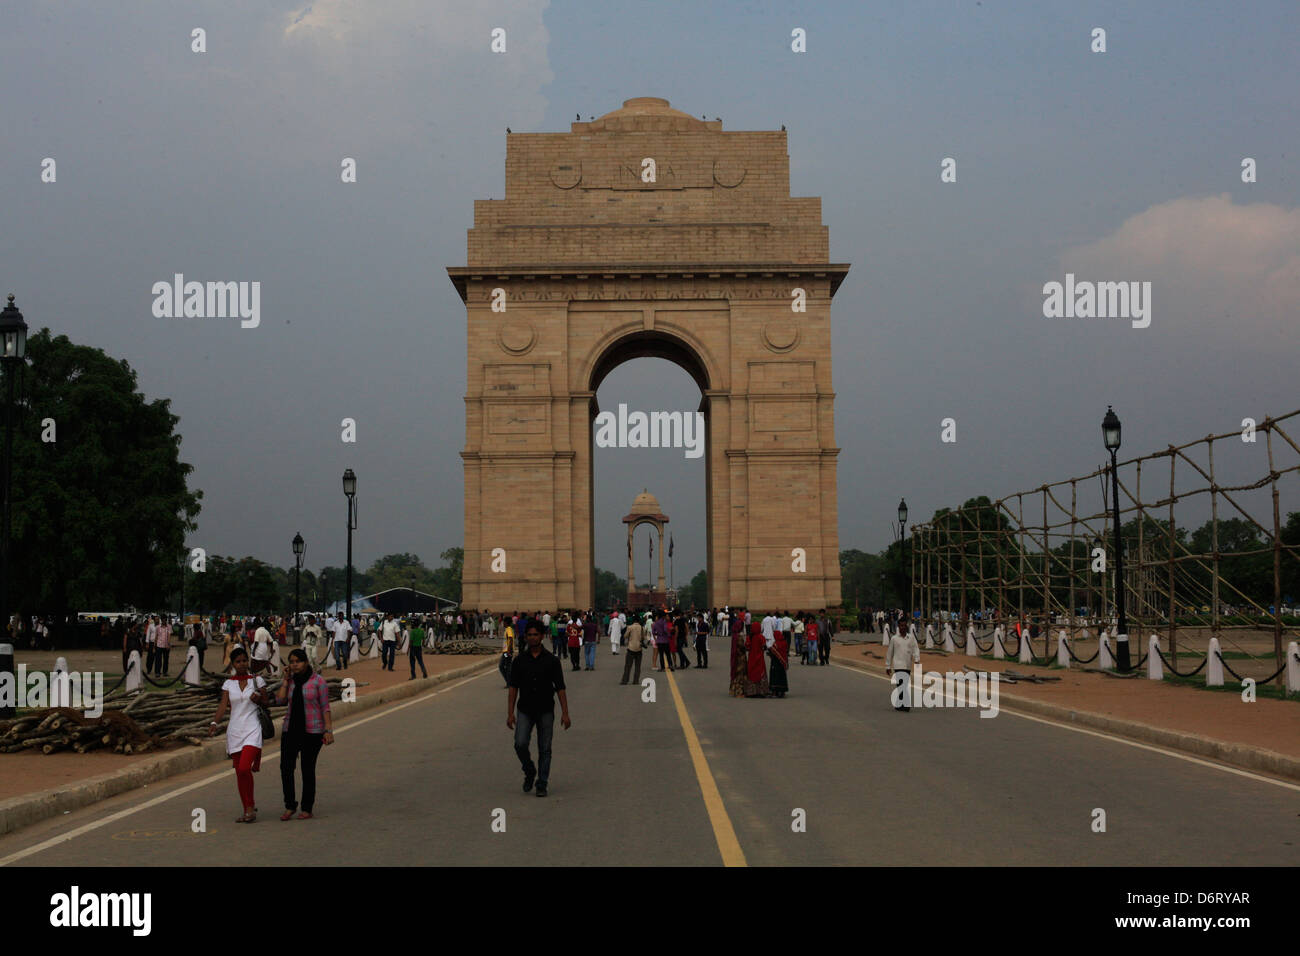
(1243,756)
(22,811)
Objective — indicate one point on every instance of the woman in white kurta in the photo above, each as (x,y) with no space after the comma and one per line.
(242,694)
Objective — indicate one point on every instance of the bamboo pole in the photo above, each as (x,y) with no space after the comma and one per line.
(1277,553)
(1173,606)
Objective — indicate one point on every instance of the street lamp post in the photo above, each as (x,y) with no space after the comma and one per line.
(297,576)
(350,490)
(1110,432)
(900,538)
(13,355)
(324,593)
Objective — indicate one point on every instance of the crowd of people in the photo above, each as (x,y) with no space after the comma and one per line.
(534,677)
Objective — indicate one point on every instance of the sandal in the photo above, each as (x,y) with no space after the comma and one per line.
(304,816)
(287,815)
(246,818)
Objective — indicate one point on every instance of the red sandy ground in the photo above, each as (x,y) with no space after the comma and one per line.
(31,771)
(1219,715)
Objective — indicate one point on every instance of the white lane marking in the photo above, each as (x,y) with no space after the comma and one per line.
(1105,736)
(224,775)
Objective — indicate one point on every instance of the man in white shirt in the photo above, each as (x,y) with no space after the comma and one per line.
(769,630)
(787,625)
(902,654)
(342,632)
(262,644)
(615,632)
(311,635)
(391,630)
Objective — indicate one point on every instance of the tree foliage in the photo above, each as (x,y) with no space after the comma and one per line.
(100,514)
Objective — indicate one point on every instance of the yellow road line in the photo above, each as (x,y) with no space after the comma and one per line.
(723,832)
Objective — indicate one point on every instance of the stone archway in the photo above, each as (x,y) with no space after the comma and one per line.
(709,263)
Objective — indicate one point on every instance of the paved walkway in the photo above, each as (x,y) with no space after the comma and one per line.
(421,783)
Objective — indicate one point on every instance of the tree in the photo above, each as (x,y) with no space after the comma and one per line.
(611,590)
(696,594)
(100,513)
(446,580)
(398,571)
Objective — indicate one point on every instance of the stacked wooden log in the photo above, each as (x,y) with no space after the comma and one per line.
(131,724)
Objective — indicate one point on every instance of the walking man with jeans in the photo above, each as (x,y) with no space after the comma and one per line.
(391,630)
(536,676)
(342,638)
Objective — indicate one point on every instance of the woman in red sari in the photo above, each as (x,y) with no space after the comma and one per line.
(738,642)
(756,673)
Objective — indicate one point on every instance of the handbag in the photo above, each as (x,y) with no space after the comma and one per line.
(264,718)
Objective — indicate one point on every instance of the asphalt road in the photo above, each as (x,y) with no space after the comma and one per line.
(421,783)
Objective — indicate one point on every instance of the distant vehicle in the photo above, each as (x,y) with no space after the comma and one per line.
(92,617)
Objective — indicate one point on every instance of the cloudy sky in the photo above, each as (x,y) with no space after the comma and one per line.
(225,166)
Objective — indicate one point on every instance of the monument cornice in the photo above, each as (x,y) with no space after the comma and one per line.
(462,276)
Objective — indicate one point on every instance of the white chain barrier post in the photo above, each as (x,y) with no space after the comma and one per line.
(60,684)
(998,653)
(948,644)
(1104,658)
(1154,669)
(1292,668)
(929,637)
(1213,666)
(133,678)
(1062,648)
(193,675)
(971,649)
(1026,650)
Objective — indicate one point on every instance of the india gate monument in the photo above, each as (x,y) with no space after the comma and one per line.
(649,232)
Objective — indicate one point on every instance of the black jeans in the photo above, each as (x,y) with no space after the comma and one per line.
(417,654)
(291,745)
(503,666)
(161,658)
(633,657)
(701,652)
(824,649)
(573,656)
(545,724)
(387,654)
(148,660)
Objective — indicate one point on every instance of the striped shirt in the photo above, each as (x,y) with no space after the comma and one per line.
(315,702)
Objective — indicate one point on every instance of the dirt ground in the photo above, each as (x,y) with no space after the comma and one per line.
(29,771)
(1220,715)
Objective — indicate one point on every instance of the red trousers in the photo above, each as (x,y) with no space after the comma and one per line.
(247,761)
